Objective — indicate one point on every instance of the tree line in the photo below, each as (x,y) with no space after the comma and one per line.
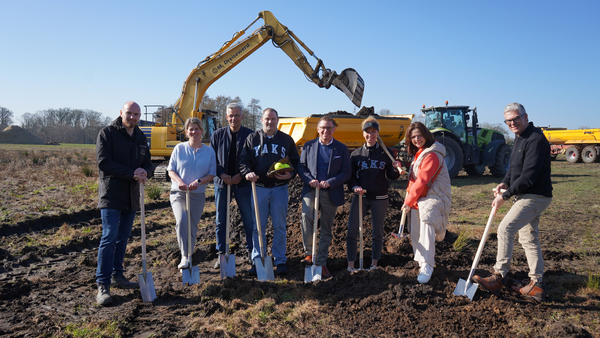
(65,125)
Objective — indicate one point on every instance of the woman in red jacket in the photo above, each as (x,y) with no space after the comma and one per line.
(428,196)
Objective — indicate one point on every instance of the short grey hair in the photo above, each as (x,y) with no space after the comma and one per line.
(515,107)
(193,120)
(234,106)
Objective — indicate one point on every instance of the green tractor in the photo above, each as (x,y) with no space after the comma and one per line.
(467,146)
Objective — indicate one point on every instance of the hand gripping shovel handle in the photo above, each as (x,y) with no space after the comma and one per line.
(484,238)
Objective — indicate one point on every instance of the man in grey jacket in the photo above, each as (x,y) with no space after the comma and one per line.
(324,162)
(123,163)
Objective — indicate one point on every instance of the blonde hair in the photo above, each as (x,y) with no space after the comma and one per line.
(192,120)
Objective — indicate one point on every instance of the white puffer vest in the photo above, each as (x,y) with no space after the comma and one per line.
(434,208)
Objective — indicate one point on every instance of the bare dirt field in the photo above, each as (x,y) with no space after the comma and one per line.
(50,230)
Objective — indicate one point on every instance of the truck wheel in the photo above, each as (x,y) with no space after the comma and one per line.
(589,154)
(502,161)
(573,154)
(454,155)
(475,169)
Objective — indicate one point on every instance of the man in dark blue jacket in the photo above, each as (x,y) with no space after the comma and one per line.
(123,163)
(228,143)
(324,162)
(528,179)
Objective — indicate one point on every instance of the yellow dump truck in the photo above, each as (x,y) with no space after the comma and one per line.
(348,130)
(578,145)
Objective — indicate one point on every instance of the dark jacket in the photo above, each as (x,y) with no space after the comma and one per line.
(369,170)
(221,142)
(260,152)
(529,171)
(118,156)
(338,173)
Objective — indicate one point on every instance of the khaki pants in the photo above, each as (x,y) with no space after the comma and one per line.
(524,218)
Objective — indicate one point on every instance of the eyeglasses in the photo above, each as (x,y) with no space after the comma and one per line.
(326,128)
(513,120)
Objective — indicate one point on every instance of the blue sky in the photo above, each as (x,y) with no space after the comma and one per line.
(98,54)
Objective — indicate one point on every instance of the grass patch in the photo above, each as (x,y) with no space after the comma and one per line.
(461,243)
(153,191)
(93,329)
(87,170)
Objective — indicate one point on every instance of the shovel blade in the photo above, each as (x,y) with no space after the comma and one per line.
(190,275)
(227,266)
(264,271)
(312,273)
(398,235)
(351,84)
(465,289)
(147,287)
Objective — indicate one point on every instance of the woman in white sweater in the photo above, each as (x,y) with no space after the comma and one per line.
(191,167)
(428,196)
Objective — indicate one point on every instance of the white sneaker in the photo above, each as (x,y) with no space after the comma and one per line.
(184,263)
(351,270)
(425,273)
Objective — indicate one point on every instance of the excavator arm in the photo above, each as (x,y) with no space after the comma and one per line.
(164,137)
(233,52)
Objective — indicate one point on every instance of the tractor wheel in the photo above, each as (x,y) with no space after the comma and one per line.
(454,155)
(589,154)
(573,154)
(475,169)
(502,161)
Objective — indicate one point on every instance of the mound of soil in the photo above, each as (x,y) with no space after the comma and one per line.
(17,135)
(366,111)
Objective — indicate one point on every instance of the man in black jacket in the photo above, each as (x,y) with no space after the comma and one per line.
(261,150)
(528,179)
(123,163)
(227,143)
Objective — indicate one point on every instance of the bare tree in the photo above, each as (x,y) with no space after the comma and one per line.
(5,117)
(385,111)
(254,113)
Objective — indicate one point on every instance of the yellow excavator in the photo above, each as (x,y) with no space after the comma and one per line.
(163,136)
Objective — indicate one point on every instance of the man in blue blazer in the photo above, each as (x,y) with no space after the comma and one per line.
(324,162)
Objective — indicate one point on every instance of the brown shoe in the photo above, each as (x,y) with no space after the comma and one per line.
(493,283)
(307,260)
(325,272)
(535,290)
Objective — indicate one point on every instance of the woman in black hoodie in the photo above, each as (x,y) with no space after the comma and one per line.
(371,169)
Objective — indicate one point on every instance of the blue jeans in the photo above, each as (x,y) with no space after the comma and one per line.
(274,202)
(243,197)
(116,228)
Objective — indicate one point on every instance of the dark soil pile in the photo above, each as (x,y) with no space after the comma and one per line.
(17,135)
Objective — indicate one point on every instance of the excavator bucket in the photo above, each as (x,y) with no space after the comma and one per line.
(351,84)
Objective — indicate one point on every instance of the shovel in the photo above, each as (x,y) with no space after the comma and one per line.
(385,149)
(264,265)
(191,274)
(145,278)
(467,287)
(313,273)
(227,261)
(360,229)
(401,229)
